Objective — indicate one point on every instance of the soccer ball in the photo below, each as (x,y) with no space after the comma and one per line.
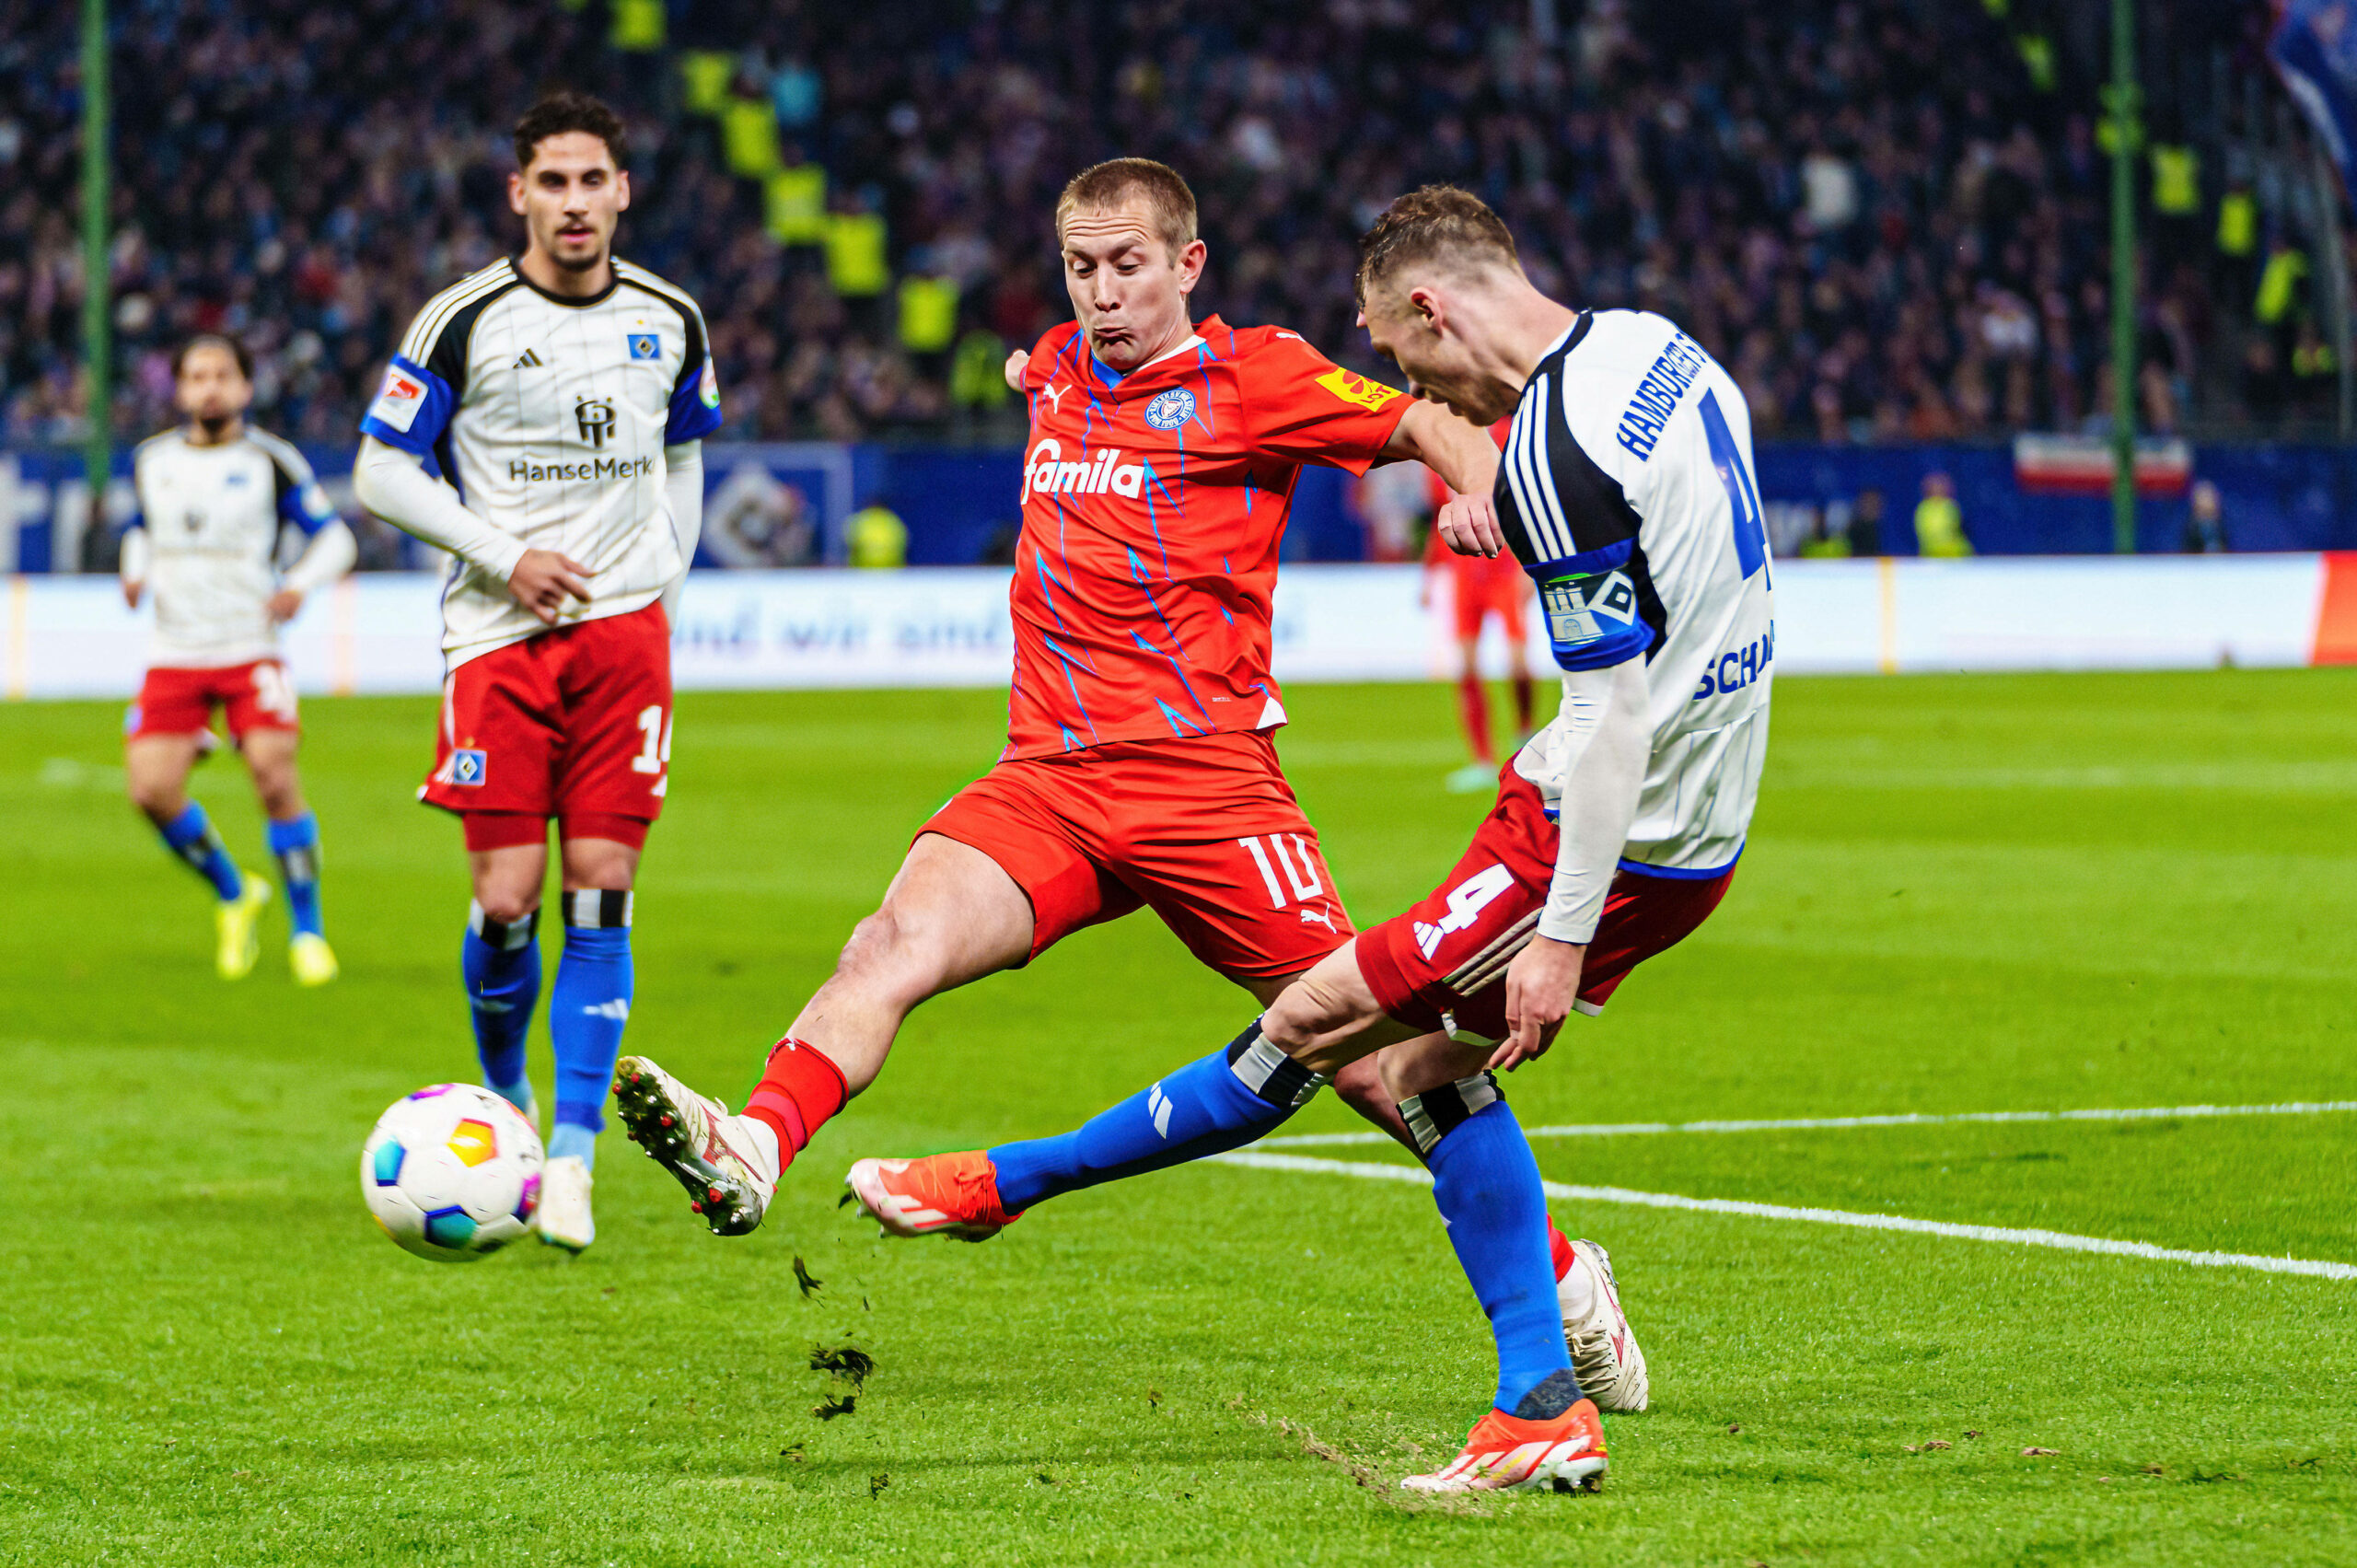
(452,1172)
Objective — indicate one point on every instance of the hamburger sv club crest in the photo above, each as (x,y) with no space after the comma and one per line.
(1169,411)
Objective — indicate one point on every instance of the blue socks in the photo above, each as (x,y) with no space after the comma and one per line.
(1228,1098)
(1487,1186)
(190,835)
(297,845)
(586,1012)
(501,965)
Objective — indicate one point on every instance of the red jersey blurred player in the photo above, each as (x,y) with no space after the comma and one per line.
(1481,587)
(1138,770)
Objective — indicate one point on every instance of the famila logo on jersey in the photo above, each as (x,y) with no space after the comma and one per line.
(1169,411)
(596,417)
(1046,473)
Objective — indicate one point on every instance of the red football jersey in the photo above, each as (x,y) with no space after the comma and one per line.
(1152,505)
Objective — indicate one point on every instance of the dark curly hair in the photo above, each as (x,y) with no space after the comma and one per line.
(563,111)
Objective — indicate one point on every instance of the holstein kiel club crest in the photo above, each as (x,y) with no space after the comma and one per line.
(1169,411)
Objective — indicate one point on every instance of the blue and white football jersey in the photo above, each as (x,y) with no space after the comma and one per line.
(549,415)
(1626,491)
(211,521)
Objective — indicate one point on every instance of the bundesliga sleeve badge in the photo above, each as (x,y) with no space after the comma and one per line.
(398,400)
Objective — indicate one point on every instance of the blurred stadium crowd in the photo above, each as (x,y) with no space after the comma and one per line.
(1887,216)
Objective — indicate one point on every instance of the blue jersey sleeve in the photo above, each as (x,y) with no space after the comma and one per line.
(301,501)
(695,405)
(412,408)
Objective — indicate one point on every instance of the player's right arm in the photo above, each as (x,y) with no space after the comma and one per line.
(390,483)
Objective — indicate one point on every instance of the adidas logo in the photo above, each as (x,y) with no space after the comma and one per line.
(618,1010)
(529,360)
(1157,1105)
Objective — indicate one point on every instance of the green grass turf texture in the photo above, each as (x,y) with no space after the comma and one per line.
(1963,894)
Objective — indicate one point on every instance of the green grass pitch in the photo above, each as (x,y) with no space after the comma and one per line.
(1962,895)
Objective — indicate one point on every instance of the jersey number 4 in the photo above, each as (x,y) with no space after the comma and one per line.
(656,755)
(1727,456)
(1466,902)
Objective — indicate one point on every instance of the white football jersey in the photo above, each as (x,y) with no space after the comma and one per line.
(549,415)
(1626,490)
(210,518)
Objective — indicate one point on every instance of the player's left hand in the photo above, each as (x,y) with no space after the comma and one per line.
(1468,525)
(283,604)
(1540,984)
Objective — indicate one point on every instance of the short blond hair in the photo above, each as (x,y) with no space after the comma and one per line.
(1117,182)
(1435,223)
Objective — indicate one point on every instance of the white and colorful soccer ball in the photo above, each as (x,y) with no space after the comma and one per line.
(452,1172)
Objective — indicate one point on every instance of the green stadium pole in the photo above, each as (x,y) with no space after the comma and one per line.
(98,313)
(2127,132)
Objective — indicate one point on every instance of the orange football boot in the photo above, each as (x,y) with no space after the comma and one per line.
(1505,1453)
(938,1195)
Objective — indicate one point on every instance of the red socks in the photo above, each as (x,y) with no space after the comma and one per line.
(1560,1246)
(1474,703)
(798,1091)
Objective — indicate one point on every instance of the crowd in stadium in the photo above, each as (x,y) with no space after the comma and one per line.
(1887,219)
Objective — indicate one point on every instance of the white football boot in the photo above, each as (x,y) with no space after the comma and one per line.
(1605,1355)
(565,1219)
(728,1164)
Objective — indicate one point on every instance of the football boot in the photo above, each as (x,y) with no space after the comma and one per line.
(954,1195)
(728,1164)
(1603,1348)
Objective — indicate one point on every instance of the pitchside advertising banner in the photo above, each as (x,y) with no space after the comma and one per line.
(378,633)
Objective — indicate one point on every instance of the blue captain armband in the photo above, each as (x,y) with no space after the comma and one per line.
(1590,604)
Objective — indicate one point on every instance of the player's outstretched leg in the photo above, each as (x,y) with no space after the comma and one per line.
(157,768)
(1237,1093)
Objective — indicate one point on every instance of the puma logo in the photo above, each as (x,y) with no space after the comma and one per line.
(1055,395)
(1317,917)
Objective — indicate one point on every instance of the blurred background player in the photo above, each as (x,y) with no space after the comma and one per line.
(565,394)
(1480,588)
(1139,770)
(213,496)
(1626,494)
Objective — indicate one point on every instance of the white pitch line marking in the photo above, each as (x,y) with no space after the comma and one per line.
(2060,1240)
(1632,1128)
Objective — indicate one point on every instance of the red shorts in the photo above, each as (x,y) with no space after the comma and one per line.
(1204,830)
(1443,964)
(573,724)
(181,701)
(1482,590)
